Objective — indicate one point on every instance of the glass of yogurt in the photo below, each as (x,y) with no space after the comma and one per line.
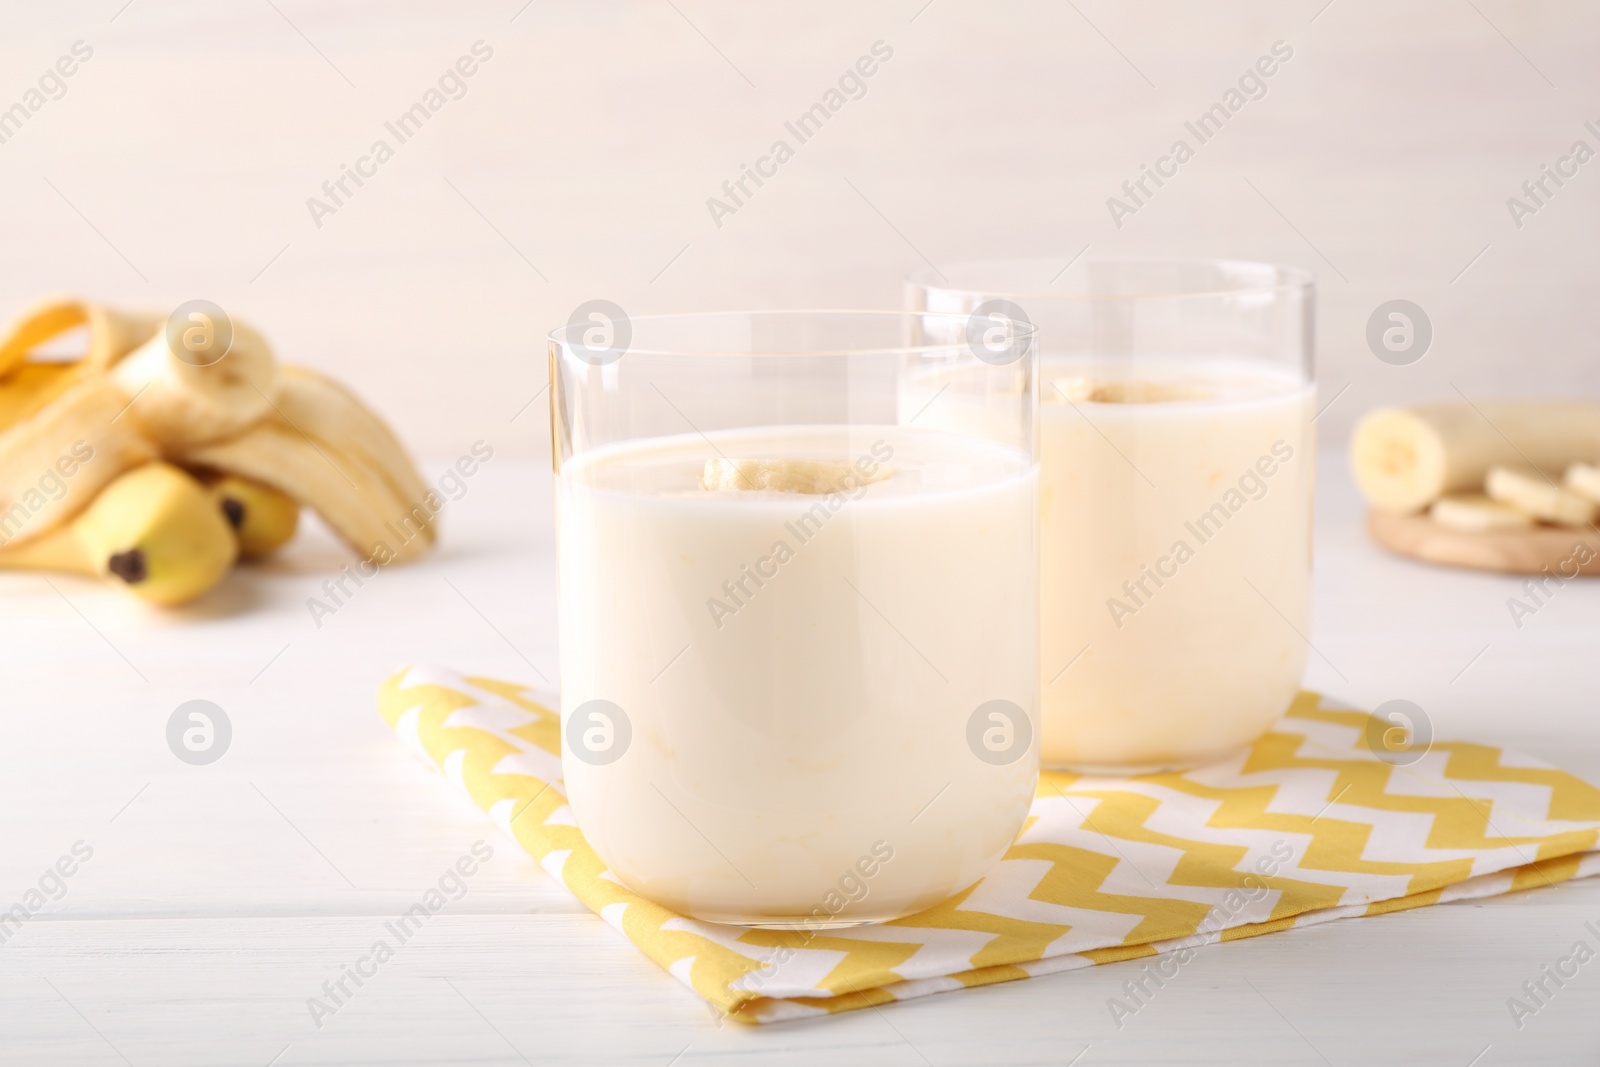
(1176,470)
(798,617)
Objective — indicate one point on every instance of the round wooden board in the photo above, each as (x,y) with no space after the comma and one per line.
(1566,552)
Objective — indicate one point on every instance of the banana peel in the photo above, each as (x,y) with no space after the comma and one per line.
(326,411)
(112,333)
(366,487)
(62,438)
(30,386)
(354,499)
(57,461)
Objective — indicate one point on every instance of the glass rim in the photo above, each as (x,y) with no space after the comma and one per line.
(1285,278)
(1022,331)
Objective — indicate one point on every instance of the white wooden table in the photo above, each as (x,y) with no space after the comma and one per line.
(219,898)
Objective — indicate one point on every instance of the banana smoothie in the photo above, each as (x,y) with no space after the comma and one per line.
(777,648)
(1175,466)
(1175,553)
(1175,510)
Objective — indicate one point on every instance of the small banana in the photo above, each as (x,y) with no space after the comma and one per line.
(179,403)
(1583,479)
(1476,513)
(810,476)
(262,518)
(154,528)
(1527,490)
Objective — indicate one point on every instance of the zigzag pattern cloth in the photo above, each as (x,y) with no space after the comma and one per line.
(1306,826)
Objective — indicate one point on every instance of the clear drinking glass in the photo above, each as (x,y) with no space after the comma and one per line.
(799,666)
(1176,472)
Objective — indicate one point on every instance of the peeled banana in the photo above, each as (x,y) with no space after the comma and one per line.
(1406,458)
(263,518)
(1529,491)
(1477,513)
(178,403)
(154,528)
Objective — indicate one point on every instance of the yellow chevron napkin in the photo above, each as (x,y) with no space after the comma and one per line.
(1307,826)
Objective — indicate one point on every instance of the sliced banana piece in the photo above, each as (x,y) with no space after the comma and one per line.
(1527,490)
(354,499)
(1121,391)
(180,404)
(809,476)
(1477,513)
(1583,479)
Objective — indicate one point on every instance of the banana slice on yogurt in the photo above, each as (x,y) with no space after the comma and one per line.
(1084,390)
(808,476)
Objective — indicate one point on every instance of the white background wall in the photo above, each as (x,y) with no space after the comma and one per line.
(591,140)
